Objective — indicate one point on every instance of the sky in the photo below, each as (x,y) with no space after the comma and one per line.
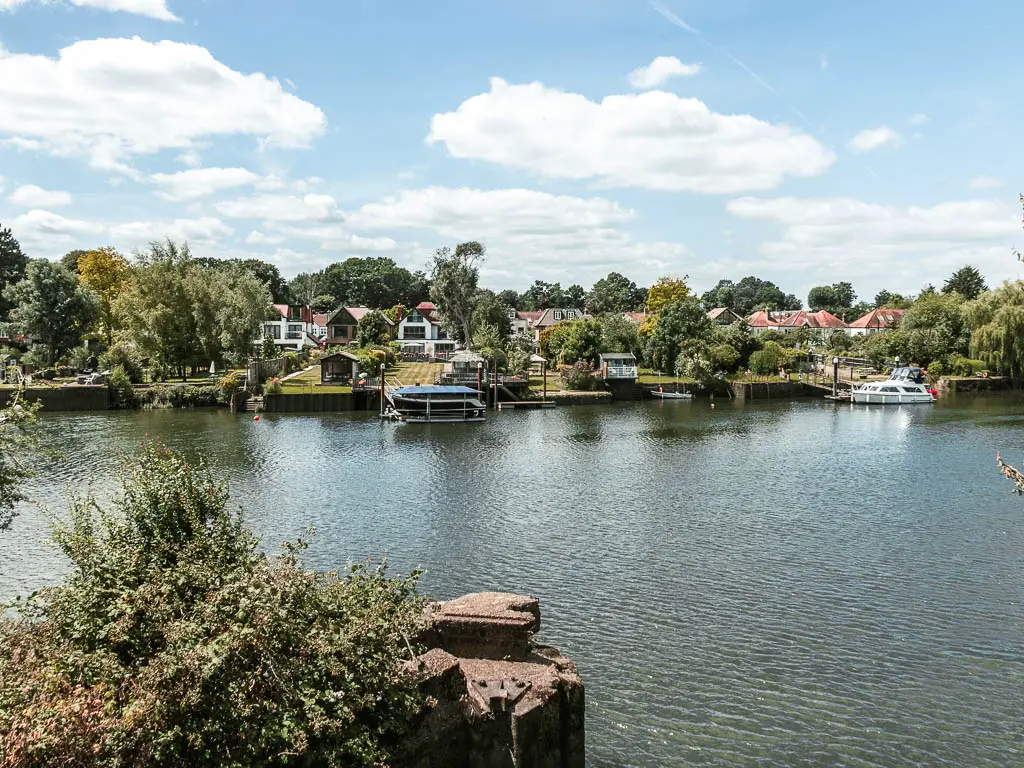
(799,141)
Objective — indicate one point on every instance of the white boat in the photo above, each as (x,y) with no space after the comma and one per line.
(904,385)
(435,404)
(671,395)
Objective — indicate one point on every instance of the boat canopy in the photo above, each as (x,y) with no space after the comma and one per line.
(435,389)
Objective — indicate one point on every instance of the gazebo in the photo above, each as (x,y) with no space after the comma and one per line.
(338,368)
(618,365)
(463,368)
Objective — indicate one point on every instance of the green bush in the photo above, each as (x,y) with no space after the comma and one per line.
(171,396)
(272,387)
(964,366)
(121,388)
(291,363)
(174,641)
(582,377)
(230,383)
(124,356)
(936,370)
(769,359)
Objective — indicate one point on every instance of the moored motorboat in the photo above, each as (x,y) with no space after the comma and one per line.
(671,395)
(904,386)
(435,404)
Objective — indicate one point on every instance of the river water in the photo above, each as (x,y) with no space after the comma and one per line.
(785,584)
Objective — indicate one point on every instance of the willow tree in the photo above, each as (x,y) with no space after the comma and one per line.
(997,321)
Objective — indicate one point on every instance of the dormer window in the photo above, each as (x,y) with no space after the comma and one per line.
(511,314)
(558,314)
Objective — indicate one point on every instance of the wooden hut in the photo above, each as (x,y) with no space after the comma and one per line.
(338,368)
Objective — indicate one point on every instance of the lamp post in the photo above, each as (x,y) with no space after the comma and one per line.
(897,361)
(835,376)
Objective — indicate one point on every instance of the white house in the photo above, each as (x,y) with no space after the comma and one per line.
(293,330)
(420,332)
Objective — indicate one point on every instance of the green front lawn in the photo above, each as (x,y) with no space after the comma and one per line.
(415,373)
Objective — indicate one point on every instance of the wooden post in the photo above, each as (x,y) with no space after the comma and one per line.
(544,375)
(382,389)
(835,376)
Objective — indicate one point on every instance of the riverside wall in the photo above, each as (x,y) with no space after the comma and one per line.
(955,385)
(71,398)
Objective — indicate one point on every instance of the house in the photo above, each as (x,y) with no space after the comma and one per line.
(293,329)
(420,332)
(636,317)
(522,322)
(876,320)
(338,368)
(342,324)
(722,316)
(320,326)
(821,321)
(549,318)
(618,365)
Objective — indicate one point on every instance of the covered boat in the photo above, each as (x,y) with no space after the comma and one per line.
(435,403)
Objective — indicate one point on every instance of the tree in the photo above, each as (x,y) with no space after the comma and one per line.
(377,283)
(453,286)
(268,349)
(372,329)
(997,320)
(934,328)
(174,639)
(967,281)
(683,320)
(70,260)
(242,301)
(749,294)
(13,264)
(614,294)
(889,300)
(542,295)
(489,308)
(264,271)
(304,288)
(489,341)
(575,297)
(582,342)
(16,440)
(664,292)
(510,298)
(106,273)
(323,304)
(837,299)
(52,308)
(620,334)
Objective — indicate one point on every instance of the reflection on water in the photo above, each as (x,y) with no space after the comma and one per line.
(780,584)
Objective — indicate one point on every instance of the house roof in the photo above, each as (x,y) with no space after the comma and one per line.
(879,318)
(798,319)
(547,317)
(717,312)
(427,305)
(358,313)
(321,320)
(530,317)
(429,311)
(636,317)
(283,309)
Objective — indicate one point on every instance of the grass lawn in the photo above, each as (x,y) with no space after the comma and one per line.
(648,376)
(308,383)
(410,373)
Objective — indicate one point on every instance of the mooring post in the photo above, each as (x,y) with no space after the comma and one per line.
(835,376)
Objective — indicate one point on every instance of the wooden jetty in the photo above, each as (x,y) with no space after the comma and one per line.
(525,404)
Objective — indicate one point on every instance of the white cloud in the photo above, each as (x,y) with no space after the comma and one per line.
(191,158)
(333,237)
(280,208)
(258,238)
(529,235)
(31,196)
(918,119)
(872,138)
(199,182)
(111,99)
(983,182)
(660,71)
(44,234)
(156,9)
(904,245)
(206,229)
(654,140)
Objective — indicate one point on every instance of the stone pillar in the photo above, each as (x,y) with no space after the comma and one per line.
(498,700)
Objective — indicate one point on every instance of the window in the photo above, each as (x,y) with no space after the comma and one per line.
(273,331)
(890,389)
(414,332)
(558,314)
(294,332)
(570,315)
(339,331)
(511,314)
(294,313)
(442,333)
(415,317)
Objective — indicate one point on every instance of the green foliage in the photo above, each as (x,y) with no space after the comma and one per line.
(967,281)
(582,342)
(964,366)
(230,383)
(454,287)
(489,341)
(936,370)
(291,363)
(305,287)
(265,274)
(273,386)
(489,310)
(376,282)
(173,641)
(620,334)
(769,359)
(997,320)
(582,377)
(841,340)
(121,388)
(666,291)
(615,294)
(371,359)
(933,328)
(122,355)
(268,349)
(372,329)
(176,396)
(680,321)
(696,362)
(16,443)
(836,298)
(13,264)
(517,358)
(739,337)
(890,300)
(749,294)
(542,295)
(52,308)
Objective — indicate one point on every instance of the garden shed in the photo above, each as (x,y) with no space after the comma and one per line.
(340,367)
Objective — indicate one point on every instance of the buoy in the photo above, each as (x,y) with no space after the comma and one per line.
(712,405)
(255,418)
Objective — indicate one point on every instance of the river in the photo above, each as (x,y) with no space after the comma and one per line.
(785,584)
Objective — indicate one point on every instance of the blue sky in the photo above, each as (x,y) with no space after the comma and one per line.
(804,142)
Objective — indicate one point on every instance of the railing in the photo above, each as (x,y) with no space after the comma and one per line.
(620,372)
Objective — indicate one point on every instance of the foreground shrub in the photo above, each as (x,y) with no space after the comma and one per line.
(173,641)
(171,396)
(122,355)
(582,377)
(121,388)
(964,366)
(230,383)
